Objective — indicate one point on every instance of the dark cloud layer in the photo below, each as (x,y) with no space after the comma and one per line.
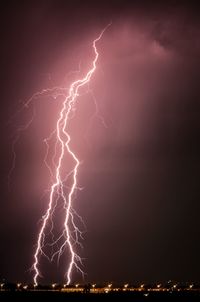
(140,173)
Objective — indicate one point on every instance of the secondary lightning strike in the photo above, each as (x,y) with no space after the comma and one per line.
(16,138)
(63,137)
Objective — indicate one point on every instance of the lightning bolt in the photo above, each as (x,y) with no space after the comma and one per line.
(63,138)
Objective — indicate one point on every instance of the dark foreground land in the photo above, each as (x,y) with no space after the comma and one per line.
(57,296)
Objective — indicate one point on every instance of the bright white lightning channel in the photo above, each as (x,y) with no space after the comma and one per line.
(57,188)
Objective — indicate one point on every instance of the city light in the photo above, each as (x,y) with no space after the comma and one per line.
(18,285)
(53,285)
(93,288)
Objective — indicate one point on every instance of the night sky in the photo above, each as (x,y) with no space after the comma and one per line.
(140,174)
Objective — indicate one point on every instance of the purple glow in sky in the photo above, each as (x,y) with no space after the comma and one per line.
(139,152)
